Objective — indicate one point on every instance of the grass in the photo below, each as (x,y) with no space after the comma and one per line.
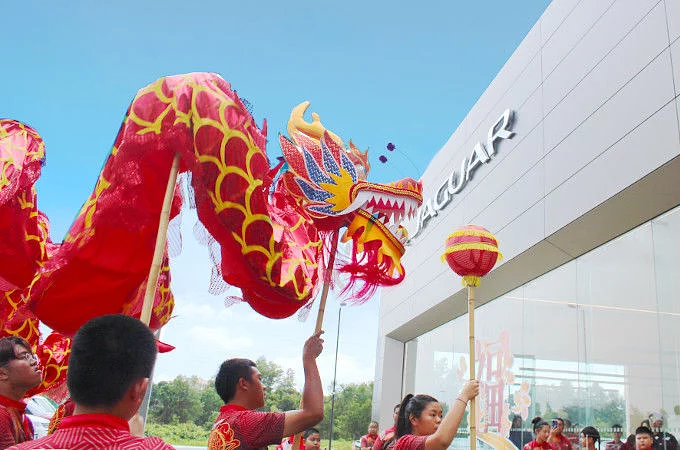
(337,444)
(193,435)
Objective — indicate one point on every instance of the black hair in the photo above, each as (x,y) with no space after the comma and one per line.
(615,426)
(516,421)
(108,354)
(591,432)
(396,408)
(7,345)
(230,372)
(411,405)
(310,431)
(644,430)
(539,423)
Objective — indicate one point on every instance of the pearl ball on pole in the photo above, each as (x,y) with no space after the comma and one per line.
(471,252)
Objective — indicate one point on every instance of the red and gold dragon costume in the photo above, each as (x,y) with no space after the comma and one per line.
(270,240)
(25,247)
(270,234)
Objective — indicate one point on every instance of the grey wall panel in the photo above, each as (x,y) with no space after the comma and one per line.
(673,12)
(647,147)
(605,35)
(641,97)
(554,16)
(630,57)
(522,233)
(675,57)
(508,168)
(515,201)
(571,32)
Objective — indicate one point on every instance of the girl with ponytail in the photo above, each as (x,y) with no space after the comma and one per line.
(542,432)
(420,425)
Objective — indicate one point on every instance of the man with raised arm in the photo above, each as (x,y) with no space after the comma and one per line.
(111,361)
(239,384)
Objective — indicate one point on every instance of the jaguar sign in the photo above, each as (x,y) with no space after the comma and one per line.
(458,178)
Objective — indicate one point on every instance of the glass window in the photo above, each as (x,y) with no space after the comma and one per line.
(595,342)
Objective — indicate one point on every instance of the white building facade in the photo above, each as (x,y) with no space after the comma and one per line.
(571,158)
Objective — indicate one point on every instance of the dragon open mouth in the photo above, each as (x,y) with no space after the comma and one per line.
(388,204)
(376,227)
(388,210)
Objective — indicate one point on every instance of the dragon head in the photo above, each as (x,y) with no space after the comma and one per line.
(329,182)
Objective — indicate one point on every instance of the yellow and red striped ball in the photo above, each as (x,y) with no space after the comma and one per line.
(471,252)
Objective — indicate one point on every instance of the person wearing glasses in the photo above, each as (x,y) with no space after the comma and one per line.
(111,361)
(19,372)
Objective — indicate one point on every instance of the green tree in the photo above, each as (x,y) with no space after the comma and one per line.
(352,412)
(176,401)
(549,413)
(537,410)
(272,373)
(210,405)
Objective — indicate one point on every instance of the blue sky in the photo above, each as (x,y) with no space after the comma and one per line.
(376,72)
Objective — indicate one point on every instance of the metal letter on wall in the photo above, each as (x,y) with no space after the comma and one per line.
(456,181)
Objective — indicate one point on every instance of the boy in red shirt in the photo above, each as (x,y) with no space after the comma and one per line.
(556,437)
(111,361)
(19,372)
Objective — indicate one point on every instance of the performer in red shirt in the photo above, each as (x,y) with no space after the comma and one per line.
(560,441)
(19,372)
(111,361)
(311,441)
(239,426)
(644,438)
(542,433)
(420,425)
(386,438)
(616,443)
(589,437)
(367,440)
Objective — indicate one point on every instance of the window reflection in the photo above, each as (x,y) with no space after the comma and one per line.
(595,341)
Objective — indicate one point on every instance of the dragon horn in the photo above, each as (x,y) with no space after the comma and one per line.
(313,130)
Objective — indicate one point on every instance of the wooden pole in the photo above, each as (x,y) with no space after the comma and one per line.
(161,237)
(154,271)
(326,283)
(322,308)
(472,418)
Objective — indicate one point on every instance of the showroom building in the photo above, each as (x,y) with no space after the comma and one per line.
(571,158)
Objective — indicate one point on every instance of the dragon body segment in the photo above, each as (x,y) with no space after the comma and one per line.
(270,232)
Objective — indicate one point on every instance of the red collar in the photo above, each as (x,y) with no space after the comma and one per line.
(94,420)
(232,408)
(8,402)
